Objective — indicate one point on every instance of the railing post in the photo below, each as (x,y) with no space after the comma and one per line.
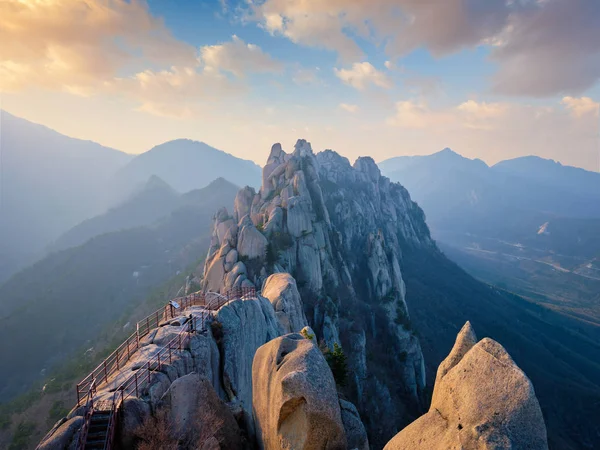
(118,359)
(105,372)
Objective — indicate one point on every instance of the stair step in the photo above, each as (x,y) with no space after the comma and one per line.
(94,435)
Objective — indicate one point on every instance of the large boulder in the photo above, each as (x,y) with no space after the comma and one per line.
(64,436)
(251,242)
(281,290)
(294,397)
(197,415)
(246,325)
(481,400)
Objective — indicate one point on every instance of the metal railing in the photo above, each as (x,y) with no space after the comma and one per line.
(89,410)
(212,301)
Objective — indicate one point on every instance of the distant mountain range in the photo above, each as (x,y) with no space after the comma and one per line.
(50,183)
(511,200)
(70,296)
(185,165)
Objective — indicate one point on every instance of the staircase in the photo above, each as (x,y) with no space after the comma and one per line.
(101,426)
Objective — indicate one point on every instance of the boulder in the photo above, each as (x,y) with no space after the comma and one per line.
(481,400)
(198,416)
(246,325)
(64,435)
(281,290)
(356,435)
(243,203)
(134,413)
(230,259)
(251,242)
(294,397)
(214,274)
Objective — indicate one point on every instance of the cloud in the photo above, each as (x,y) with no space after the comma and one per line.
(314,28)
(179,92)
(238,58)
(481,115)
(362,75)
(441,25)
(75,45)
(417,114)
(542,47)
(581,107)
(550,49)
(349,108)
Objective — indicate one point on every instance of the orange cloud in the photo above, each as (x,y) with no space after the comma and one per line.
(76,45)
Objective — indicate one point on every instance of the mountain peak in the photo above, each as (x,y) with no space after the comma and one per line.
(156,182)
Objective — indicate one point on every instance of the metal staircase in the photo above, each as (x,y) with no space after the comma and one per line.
(101,427)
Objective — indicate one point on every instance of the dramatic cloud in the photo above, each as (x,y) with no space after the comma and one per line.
(349,108)
(362,75)
(542,47)
(550,49)
(238,58)
(75,45)
(441,25)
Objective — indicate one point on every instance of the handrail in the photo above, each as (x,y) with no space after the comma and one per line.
(108,366)
(89,411)
(123,353)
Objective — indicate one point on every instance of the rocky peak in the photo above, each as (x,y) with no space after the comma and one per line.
(366,165)
(481,400)
(339,230)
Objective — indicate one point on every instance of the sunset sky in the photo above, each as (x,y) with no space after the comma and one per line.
(492,79)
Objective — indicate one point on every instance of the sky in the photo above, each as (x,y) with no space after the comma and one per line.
(491,79)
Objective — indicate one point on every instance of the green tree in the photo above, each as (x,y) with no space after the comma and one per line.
(338,362)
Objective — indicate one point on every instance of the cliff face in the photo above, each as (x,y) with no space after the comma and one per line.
(340,231)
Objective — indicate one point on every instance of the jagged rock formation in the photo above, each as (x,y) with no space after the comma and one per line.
(339,230)
(294,397)
(481,400)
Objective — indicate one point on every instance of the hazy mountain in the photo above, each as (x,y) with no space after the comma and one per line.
(186,165)
(155,199)
(552,173)
(49,183)
(69,296)
(510,200)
